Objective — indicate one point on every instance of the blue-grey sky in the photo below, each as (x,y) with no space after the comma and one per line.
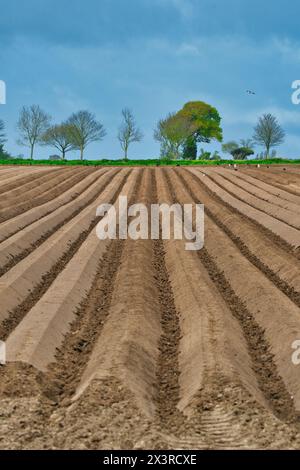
(151,56)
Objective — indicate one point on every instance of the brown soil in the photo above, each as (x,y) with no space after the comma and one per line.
(127,344)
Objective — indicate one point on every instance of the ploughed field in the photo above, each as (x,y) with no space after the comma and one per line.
(142,344)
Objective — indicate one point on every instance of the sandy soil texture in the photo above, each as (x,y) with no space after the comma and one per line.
(134,344)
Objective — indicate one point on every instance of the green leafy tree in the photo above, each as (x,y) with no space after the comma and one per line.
(3,154)
(215,156)
(83,130)
(60,137)
(171,132)
(196,121)
(32,124)
(204,155)
(128,132)
(167,151)
(190,149)
(203,121)
(2,135)
(242,153)
(268,133)
(55,158)
(230,147)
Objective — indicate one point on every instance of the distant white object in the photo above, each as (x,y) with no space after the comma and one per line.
(235,166)
(258,166)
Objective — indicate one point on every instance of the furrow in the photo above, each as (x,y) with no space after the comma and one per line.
(33,187)
(249,186)
(271,358)
(9,173)
(16,224)
(139,343)
(212,351)
(72,299)
(285,234)
(24,284)
(279,266)
(127,349)
(286,182)
(23,243)
(55,188)
(283,215)
(269,187)
(19,180)
(167,375)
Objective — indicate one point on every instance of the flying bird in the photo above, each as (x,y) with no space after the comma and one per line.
(250,92)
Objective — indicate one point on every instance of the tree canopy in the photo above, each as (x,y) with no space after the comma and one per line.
(195,122)
(32,124)
(204,121)
(189,151)
(230,147)
(2,135)
(3,154)
(59,136)
(128,132)
(84,129)
(241,153)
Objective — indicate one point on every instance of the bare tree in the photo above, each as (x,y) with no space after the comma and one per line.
(32,125)
(128,132)
(84,129)
(2,134)
(247,143)
(268,132)
(59,136)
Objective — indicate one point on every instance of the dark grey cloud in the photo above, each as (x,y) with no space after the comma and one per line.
(84,22)
(151,55)
(97,21)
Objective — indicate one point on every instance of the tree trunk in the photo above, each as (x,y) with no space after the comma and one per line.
(31,151)
(267,151)
(81,153)
(63,153)
(126,153)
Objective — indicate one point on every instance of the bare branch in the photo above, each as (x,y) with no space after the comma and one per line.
(2,134)
(59,136)
(84,129)
(268,132)
(128,132)
(32,125)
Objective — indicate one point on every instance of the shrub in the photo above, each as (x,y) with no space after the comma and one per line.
(242,153)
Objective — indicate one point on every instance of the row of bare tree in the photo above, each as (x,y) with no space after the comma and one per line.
(178,133)
(76,133)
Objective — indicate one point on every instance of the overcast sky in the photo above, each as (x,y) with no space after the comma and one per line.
(152,56)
